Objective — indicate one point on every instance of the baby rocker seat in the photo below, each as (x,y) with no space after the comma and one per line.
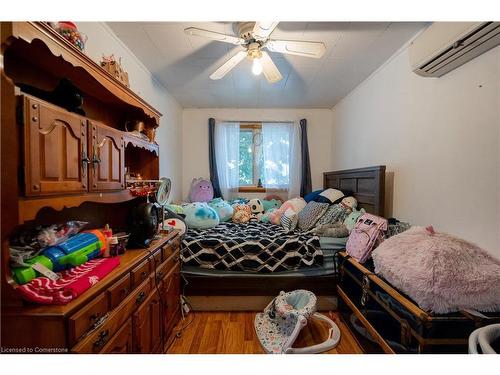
(279,325)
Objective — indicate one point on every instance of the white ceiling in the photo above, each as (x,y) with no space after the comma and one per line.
(183,63)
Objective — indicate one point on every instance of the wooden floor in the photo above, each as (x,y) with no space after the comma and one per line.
(233,333)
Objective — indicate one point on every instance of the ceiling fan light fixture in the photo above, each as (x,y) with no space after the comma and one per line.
(256,67)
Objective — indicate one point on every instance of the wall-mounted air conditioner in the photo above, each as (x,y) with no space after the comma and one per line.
(444,46)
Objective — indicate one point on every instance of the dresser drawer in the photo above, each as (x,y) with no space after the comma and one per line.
(140,273)
(87,317)
(96,340)
(119,291)
(171,247)
(121,343)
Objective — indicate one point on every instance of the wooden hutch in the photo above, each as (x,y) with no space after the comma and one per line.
(58,165)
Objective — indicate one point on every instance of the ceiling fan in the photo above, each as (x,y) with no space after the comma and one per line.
(254,37)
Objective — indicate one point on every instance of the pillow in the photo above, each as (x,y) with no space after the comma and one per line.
(333,195)
(335,213)
(200,216)
(440,272)
(311,214)
(311,196)
(289,220)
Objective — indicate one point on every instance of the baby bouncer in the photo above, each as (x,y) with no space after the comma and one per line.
(279,325)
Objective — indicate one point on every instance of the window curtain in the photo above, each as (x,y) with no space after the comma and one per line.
(227,157)
(306,183)
(212,160)
(281,157)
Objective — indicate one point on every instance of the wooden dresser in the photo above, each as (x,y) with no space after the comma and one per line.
(132,310)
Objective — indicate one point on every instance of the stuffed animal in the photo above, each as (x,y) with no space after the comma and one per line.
(271,203)
(350,203)
(223,209)
(201,190)
(296,204)
(337,230)
(352,218)
(200,216)
(175,208)
(266,218)
(242,213)
(257,209)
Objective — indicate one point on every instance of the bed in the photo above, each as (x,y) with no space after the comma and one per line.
(209,270)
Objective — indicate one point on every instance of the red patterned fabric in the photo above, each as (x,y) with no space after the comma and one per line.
(71,284)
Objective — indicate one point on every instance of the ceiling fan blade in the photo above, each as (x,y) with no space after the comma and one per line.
(228,65)
(300,48)
(213,35)
(262,30)
(269,68)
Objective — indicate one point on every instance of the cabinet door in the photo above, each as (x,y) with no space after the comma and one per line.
(55,149)
(121,342)
(170,292)
(107,153)
(146,325)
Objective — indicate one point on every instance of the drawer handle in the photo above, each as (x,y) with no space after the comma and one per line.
(140,298)
(143,275)
(123,292)
(101,340)
(159,276)
(94,317)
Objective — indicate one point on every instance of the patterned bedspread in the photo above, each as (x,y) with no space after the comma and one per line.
(252,247)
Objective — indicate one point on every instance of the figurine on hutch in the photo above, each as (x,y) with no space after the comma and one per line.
(114,68)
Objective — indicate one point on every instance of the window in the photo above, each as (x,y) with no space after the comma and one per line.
(264,156)
(251,158)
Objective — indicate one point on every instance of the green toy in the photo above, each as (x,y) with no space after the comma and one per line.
(22,275)
(271,203)
(350,221)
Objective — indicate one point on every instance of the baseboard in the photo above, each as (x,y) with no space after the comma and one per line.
(247,303)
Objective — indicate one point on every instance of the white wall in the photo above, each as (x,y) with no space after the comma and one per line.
(195,137)
(102,40)
(440,137)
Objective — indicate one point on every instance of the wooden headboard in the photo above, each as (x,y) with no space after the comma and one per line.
(367,185)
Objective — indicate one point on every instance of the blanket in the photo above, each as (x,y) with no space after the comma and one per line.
(251,247)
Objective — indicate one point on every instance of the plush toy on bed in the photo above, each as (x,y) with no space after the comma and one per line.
(266,218)
(223,209)
(296,204)
(337,230)
(200,216)
(352,218)
(242,213)
(257,209)
(271,203)
(201,190)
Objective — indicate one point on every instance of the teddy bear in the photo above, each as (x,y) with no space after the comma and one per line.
(257,209)
(242,213)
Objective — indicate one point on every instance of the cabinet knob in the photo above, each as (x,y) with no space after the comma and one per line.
(34,106)
(34,119)
(36,187)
